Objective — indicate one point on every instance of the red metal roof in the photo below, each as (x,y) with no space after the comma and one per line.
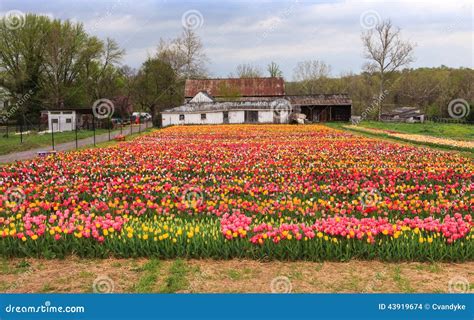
(245,87)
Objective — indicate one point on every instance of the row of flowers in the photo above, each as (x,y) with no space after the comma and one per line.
(451,228)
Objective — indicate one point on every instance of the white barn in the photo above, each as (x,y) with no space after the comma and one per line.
(203,109)
(251,100)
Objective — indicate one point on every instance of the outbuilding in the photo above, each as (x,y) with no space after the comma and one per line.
(60,120)
(404,114)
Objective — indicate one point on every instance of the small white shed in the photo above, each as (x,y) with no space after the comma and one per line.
(59,121)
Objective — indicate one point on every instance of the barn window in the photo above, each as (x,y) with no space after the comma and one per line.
(68,120)
(203,116)
(181,117)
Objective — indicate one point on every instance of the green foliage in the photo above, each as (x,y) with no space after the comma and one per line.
(157,86)
(55,64)
(176,280)
(430,89)
(148,280)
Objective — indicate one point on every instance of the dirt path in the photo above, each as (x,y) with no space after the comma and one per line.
(144,275)
(417,137)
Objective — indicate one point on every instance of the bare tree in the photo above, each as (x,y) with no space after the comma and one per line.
(247,70)
(184,54)
(274,70)
(312,75)
(386,52)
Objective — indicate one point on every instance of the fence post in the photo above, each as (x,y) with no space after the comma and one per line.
(21,133)
(139,125)
(76,135)
(109,125)
(52,136)
(131,125)
(93,127)
(121,127)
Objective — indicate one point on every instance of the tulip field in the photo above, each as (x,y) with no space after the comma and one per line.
(242,191)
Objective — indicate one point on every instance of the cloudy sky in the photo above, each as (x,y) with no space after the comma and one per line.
(285,31)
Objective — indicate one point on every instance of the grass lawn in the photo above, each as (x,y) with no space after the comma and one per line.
(145,275)
(33,140)
(442,130)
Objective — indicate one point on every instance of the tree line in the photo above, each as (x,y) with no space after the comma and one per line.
(54,64)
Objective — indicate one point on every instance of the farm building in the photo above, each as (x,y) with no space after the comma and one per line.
(60,120)
(404,114)
(252,100)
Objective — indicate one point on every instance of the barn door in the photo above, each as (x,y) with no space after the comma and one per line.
(55,124)
(251,116)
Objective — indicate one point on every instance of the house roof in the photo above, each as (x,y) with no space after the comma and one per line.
(339,99)
(243,87)
(263,103)
(221,106)
(297,100)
